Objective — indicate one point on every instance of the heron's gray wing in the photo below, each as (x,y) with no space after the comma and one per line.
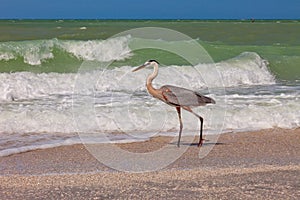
(183,97)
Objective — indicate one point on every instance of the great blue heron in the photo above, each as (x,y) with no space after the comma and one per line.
(176,96)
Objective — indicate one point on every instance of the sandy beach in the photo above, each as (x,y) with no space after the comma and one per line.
(252,165)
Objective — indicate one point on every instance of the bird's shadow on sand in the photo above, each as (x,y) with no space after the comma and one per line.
(204,144)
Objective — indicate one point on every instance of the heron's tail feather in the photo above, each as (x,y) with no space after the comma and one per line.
(204,99)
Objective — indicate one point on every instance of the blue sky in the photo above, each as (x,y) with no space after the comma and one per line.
(150,9)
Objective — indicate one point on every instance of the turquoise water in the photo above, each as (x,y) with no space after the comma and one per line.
(47,99)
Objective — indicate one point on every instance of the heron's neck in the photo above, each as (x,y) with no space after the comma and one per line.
(150,79)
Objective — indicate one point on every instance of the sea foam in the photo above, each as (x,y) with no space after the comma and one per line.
(246,69)
(38,51)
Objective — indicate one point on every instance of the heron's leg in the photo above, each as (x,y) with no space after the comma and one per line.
(201,123)
(201,139)
(180,121)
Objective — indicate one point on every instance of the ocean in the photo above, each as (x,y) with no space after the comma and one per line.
(68,81)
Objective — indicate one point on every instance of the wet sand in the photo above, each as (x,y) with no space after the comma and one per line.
(252,165)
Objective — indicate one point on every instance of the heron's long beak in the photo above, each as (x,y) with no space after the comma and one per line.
(138,68)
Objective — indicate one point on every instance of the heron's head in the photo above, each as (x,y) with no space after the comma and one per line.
(146,64)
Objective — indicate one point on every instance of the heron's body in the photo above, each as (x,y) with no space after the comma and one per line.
(176,96)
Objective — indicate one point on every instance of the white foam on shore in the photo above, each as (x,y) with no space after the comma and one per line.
(71,141)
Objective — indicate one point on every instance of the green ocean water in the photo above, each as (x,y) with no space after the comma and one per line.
(35,45)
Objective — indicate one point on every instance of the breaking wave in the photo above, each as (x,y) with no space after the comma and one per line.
(36,52)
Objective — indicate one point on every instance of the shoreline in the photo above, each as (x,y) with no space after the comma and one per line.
(269,146)
(251,165)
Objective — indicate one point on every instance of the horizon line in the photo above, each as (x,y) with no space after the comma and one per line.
(67,18)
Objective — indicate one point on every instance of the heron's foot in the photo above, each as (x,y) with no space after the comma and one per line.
(201,142)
